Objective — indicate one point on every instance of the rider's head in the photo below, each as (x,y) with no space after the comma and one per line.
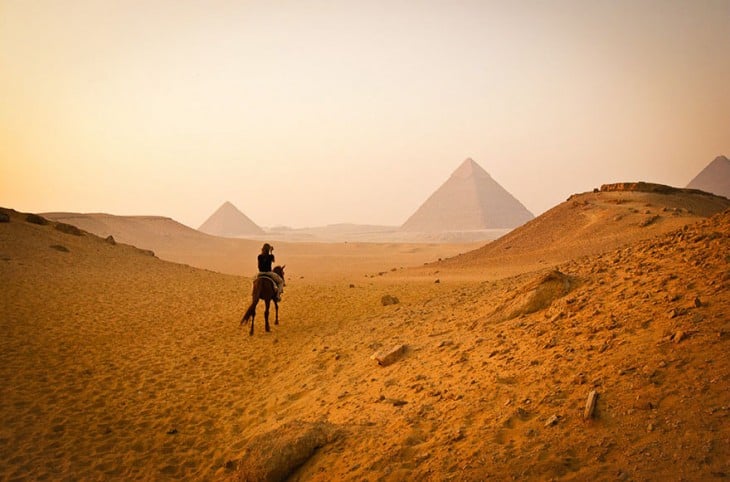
(267,248)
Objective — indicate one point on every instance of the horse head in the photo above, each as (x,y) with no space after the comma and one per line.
(280,271)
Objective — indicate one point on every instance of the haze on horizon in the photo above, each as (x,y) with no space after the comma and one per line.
(313,113)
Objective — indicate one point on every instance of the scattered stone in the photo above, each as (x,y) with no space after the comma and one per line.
(648,221)
(697,302)
(675,312)
(110,239)
(35,219)
(388,300)
(385,358)
(172,431)
(277,454)
(679,336)
(4,218)
(69,229)
(590,405)
(553,420)
(60,248)
(437,281)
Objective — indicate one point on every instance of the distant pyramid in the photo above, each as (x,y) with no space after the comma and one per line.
(715,178)
(470,199)
(228,221)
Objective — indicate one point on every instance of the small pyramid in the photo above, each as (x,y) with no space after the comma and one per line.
(228,221)
(715,178)
(469,200)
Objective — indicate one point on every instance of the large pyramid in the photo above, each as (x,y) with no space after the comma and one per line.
(228,221)
(469,200)
(715,178)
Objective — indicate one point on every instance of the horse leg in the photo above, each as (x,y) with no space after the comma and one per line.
(253,316)
(266,314)
(276,313)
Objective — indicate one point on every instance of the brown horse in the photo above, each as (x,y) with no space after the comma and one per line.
(263,289)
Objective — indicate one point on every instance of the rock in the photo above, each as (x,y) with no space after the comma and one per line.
(69,229)
(679,336)
(110,239)
(60,248)
(675,312)
(697,302)
(35,219)
(590,405)
(385,358)
(4,218)
(277,454)
(389,300)
(553,420)
(536,296)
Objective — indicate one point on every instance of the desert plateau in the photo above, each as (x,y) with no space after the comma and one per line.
(589,344)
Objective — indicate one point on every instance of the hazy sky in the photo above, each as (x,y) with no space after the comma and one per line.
(310,113)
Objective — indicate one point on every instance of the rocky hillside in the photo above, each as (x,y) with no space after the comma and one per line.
(494,380)
(589,224)
(123,366)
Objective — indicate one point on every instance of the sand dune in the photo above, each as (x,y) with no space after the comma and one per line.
(119,365)
(588,224)
(173,241)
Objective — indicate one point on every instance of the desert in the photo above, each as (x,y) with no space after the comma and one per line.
(122,358)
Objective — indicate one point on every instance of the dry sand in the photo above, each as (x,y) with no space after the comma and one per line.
(117,365)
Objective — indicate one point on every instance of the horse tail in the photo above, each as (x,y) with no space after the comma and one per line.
(255,296)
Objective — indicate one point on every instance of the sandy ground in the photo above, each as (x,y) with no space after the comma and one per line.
(117,365)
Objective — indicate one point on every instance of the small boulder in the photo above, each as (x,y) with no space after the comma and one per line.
(389,300)
(385,358)
(276,455)
(4,218)
(69,229)
(35,219)
(110,239)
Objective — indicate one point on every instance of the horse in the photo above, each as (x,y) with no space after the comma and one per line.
(263,289)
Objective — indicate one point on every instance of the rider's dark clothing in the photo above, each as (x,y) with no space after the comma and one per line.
(265,262)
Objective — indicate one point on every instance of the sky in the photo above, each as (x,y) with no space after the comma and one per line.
(308,113)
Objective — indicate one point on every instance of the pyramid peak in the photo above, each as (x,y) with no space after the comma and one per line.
(721,158)
(469,168)
(228,220)
(469,200)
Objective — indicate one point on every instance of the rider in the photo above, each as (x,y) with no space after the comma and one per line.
(266,258)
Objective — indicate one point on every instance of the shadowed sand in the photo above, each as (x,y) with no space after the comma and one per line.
(118,365)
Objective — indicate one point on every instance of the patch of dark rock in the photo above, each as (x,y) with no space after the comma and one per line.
(275,455)
(388,300)
(69,229)
(35,219)
(59,247)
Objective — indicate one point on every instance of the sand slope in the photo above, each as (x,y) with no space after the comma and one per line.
(588,224)
(118,365)
(176,242)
